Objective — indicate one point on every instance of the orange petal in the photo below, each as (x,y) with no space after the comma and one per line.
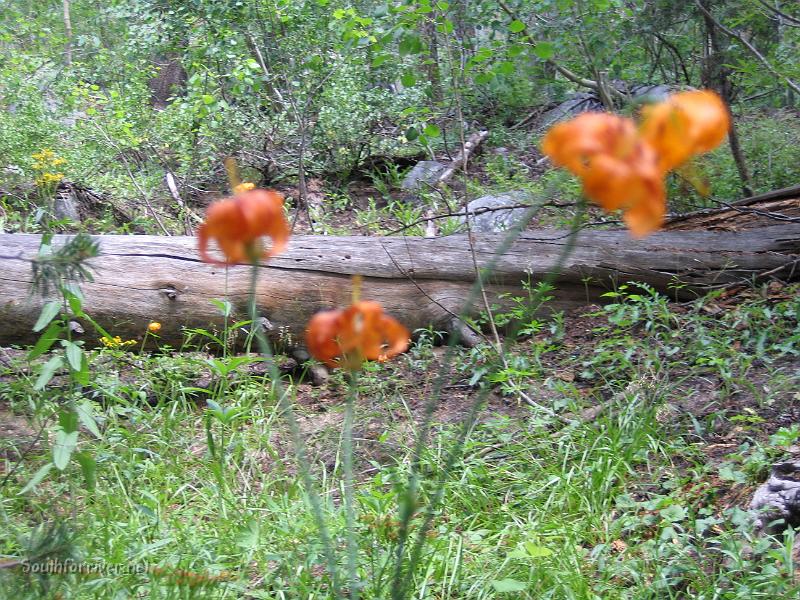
(645,217)
(321,336)
(684,125)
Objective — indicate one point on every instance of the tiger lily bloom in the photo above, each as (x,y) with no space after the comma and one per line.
(238,223)
(684,125)
(623,166)
(347,337)
(618,170)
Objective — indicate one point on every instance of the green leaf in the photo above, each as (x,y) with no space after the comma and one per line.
(208,99)
(408,80)
(433,131)
(506,68)
(224,306)
(515,50)
(484,78)
(48,370)
(412,134)
(516,26)
(63,448)
(380,59)
(446,26)
(68,420)
(544,50)
(674,513)
(89,468)
(442,5)
(49,312)
(535,551)
(410,44)
(506,586)
(85,411)
(46,340)
(37,478)
(74,355)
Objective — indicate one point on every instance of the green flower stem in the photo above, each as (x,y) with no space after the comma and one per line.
(285,404)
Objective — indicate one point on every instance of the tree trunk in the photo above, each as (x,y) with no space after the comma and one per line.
(67,32)
(422,282)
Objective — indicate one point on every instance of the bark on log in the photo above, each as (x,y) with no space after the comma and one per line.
(420,281)
(762,210)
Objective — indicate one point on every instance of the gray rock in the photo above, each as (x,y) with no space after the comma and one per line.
(576,104)
(778,498)
(65,205)
(651,93)
(496,220)
(424,172)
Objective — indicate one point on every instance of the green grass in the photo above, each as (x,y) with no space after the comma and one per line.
(626,504)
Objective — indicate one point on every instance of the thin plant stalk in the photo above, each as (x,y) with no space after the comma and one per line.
(408,502)
(349,482)
(285,404)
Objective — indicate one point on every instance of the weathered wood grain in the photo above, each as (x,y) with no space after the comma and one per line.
(421,281)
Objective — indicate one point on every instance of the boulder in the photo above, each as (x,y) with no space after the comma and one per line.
(423,175)
(488,215)
(776,503)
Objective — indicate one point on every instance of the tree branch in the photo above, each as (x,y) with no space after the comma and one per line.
(753,50)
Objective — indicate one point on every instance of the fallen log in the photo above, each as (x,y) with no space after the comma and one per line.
(421,281)
(772,208)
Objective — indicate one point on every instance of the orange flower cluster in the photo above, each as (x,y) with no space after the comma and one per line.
(346,338)
(238,224)
(339,338)
(623,166)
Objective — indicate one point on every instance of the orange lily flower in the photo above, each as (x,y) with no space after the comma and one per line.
(238,224)
(623,167)
(685,124)
(347,337)
(618,170)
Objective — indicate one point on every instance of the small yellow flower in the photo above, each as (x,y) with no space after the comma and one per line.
(116,342)
(154,327)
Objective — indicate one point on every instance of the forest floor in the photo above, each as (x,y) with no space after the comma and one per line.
(627,475)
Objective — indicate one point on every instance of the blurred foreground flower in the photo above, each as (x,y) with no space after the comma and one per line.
(154,327)
(623,166)
(238,224)
(347,337)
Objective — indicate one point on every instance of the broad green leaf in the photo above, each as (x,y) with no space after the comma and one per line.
(446,26)
(544,50)
(49,312)
(432,131)
(408,80)
(515,50)
(535,551)
(85,411)
(68,420)
(74,355)
(37,478)
(410,44)
(63,448)
(89,468)
(506,586)
(412,134)
(505,68)
(208,99)
(380,59)
(48,370)
(81,376)
(516,26)
(46,340)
